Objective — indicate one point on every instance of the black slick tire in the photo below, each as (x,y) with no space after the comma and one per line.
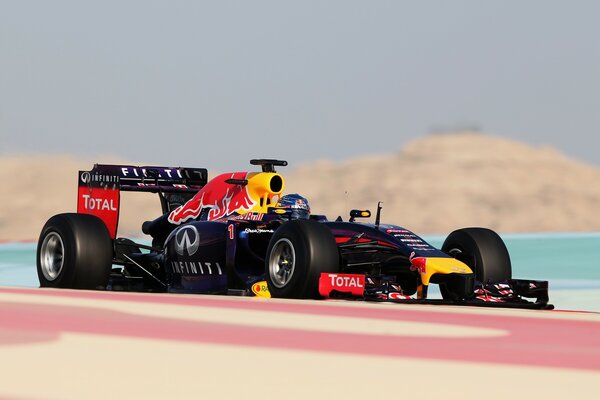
(74,251)
(483,250)
(299,251)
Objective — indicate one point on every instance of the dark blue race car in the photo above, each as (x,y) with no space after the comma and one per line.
(240,234)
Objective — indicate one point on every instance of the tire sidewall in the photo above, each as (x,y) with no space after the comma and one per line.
(483,251)
(315,252)
(299,275)
(66,277)
(87,251)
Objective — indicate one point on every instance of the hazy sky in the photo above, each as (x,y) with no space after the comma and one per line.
(217,83)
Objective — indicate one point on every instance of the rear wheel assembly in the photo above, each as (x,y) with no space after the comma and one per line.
(74,251)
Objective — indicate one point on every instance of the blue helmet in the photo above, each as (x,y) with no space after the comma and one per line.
(298,205)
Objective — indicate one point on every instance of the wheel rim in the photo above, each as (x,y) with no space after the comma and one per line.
(282,263)
(52,256)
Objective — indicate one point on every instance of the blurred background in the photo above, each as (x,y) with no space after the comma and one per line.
(452,114)
(215,83)
(363,96)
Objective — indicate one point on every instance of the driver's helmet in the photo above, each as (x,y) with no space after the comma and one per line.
(298,205)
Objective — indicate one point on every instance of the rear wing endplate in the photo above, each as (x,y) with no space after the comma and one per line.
(99,189)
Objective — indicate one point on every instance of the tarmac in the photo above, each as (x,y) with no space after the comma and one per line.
(66,344)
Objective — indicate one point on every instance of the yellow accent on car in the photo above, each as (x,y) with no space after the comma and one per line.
(443,265)
(260,289)
(264,188)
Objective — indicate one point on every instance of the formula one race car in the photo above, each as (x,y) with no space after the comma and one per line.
(238,234)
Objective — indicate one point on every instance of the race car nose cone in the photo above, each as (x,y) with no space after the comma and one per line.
(428,266)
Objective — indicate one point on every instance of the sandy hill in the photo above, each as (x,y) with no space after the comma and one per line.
(442,182)
(433,185)
(35,187)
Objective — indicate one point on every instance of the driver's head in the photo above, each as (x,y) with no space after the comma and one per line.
(298,205)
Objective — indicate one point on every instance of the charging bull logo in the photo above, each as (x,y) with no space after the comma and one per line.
(418,264)
(221,198)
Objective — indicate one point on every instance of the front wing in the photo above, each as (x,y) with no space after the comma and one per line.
(513,293)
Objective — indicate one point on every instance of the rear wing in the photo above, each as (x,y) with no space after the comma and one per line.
(99,189)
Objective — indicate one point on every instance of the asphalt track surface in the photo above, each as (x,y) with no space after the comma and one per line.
(62,344)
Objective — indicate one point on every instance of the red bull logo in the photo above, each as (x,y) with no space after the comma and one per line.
(223,199)
(418,264)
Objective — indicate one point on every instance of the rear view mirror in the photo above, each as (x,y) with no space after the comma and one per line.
(359,214)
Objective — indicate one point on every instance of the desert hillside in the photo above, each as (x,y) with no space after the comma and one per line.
(442,182)
(433,185)
(36,187)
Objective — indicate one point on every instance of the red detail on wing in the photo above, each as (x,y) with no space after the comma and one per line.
(346,283)
(398,296)
(344,239)
(222,198)
(102,203)
(490,299)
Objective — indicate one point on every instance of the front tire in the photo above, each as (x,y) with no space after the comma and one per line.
(483,250)
(74,251)
(299,251)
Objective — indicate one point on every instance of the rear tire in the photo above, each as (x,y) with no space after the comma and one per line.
(299,251)
(483,250)
(74,251)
